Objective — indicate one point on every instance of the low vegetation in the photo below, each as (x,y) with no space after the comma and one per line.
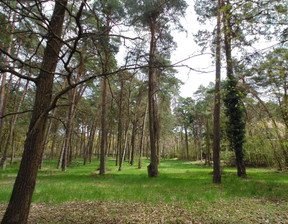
(183,193)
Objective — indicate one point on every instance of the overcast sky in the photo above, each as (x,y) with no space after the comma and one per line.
(187,47)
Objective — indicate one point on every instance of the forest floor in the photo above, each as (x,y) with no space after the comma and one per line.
(222,211)
(183,193)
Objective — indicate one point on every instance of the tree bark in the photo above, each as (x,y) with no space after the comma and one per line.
(216,130)
(105,69)
(120,150)
(153,124)
(103,126)
(19,205)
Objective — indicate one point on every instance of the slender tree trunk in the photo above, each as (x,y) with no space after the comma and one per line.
(105,69)
(83,144)
(70,144)
(13,149)
(158,140)
(133,139)
(200,140)
(120,150)
(152,99)
(216,130)
(64,158)
(125,145)
(2,94)
(19,204)
(142,137)
(91,139)
(103,126)
(208,157)
(186,142)
(59,165)
(8,141)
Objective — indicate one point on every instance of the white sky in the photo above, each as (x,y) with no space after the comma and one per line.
(187,47)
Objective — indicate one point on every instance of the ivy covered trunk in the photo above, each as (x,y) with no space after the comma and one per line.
(235,124)
(232,100)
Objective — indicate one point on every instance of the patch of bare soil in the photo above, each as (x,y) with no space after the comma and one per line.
(104,212)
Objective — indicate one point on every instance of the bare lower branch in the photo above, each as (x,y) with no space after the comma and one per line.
(12,71)
(16,113)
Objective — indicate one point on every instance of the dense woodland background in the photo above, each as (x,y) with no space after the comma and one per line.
(66,93)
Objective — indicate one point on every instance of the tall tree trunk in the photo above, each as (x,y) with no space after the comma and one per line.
(236,124)
(216,130)
(120,150)
(153,124)
(19,204)
(103,126)
(105,69)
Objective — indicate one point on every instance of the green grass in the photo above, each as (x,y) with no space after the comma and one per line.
(183,193)
(178,181)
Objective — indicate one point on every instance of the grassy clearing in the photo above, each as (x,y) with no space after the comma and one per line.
(262,197)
